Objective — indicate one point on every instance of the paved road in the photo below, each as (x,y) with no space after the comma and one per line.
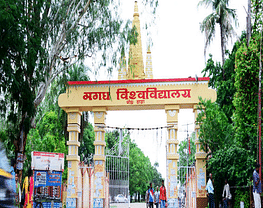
(125,205)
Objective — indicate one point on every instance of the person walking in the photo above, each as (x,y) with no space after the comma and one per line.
(147,197)
(31,189)
(210,191)
(226,194)
(28,189)
(157,197)
(163,195)
(12,172)
(25,195)
(151,196)
(18,192)
(256,187)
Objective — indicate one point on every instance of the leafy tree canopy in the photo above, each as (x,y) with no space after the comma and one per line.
(223,16)
(40,40)
(224,83)
(246,96)
(215,130)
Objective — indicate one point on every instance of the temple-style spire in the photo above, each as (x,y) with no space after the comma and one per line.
(135,66)
(149,67)
(135,62)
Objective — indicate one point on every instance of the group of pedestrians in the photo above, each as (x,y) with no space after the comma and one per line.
(210,193)
(156,197)
(226,192)
(23,195)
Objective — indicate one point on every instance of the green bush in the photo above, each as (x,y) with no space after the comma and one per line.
(241,195)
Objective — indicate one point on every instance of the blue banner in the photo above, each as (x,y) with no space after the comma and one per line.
(49,205)
(46,178)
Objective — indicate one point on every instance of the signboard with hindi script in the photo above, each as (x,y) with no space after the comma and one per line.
(132,94)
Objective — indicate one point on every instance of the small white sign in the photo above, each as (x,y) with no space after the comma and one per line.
(41,178)
(47,161)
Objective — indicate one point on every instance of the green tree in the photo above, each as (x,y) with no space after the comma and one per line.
(141,171)
(227,157)
(51,122)
(87,149)
(77,72)
(224,85)
(39,40)
(111,138)
(230,141)
(215,130)
(185,155)
(140,175)
(157,176)
(46,137)
(223,16)
(239,102)
(234,163)
(183,151)
(246,96)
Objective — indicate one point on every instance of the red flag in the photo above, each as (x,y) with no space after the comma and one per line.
(189,146)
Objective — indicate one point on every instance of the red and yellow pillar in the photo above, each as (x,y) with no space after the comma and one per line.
(74,118)
(99,157)
(172,155)
(200,157)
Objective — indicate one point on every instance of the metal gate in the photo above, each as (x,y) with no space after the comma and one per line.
(187,189)
(117,166)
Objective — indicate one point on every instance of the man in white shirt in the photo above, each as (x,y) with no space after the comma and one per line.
(156,197)
(210,192)
(226,194)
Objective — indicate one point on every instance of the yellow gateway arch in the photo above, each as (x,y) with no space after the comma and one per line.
(134,90)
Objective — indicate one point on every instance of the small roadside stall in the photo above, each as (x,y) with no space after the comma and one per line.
(47,168)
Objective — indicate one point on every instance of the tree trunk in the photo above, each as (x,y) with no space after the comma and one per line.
(248,22)
(20,145)
(222,49)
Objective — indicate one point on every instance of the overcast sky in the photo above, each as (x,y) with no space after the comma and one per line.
(177,52)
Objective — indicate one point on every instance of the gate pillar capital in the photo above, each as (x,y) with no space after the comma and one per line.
(99,115)
(172,114)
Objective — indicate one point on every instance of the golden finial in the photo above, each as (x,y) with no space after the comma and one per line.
(136,10)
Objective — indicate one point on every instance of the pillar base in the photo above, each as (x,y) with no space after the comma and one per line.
(201,202)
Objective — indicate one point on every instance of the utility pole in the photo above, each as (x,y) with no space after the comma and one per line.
(259,107)
(187,151)
(188,198)
(187,190)
(187,140)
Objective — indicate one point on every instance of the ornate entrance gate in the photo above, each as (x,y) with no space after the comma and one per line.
(135,90)
(117,166)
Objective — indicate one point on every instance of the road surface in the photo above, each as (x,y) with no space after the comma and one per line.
(125,205)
